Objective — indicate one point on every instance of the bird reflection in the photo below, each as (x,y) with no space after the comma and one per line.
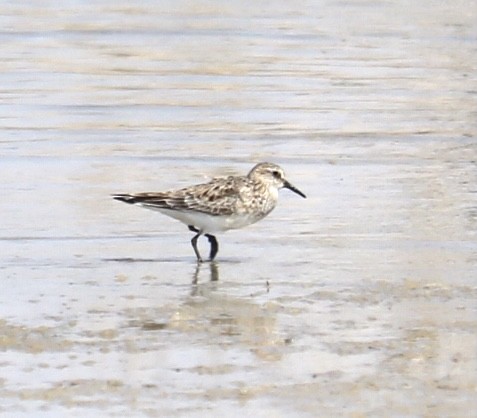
(208,314)
(213,272)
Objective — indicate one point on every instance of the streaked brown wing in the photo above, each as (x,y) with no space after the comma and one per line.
(218,197)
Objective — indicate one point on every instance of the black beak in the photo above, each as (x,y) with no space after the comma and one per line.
(293,188)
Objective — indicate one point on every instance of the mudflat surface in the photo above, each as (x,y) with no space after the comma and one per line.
(358,301)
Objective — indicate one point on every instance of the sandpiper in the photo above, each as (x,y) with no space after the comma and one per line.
(223,203)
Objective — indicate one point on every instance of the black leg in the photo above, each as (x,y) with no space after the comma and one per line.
(214,246)
(194,246)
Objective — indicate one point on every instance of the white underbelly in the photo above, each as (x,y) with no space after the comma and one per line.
(209,223)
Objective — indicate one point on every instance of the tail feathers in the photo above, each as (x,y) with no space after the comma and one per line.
(127,198)
(147,200)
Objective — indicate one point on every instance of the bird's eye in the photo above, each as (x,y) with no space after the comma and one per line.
(276,174)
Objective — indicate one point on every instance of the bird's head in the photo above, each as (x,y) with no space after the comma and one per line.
(273,176)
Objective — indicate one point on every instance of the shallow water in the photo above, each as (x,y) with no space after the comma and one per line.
(359,301)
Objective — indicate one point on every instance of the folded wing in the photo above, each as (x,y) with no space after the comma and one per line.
(218,197)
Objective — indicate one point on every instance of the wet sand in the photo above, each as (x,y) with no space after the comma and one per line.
(359,301)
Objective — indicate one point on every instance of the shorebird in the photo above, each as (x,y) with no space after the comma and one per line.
(223,203)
